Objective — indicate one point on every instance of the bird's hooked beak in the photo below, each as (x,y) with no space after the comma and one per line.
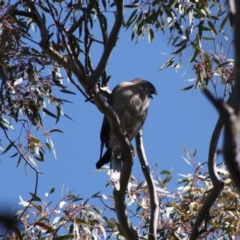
(153,92)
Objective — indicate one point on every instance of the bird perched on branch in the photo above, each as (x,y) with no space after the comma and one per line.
(130,101)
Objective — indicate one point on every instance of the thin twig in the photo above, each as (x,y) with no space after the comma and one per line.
(111,42)
(81,19)
(19,151)
(113,209)
(88,99)
(31,200)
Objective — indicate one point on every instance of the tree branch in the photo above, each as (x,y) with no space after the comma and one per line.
(111,42)
(90,86)
(79,72)
(81,19)
(119,196)
(236,92)
(205,210)
(151,187)
(19,151)
(31,200)
(216,180)
(230,145)
(103,26)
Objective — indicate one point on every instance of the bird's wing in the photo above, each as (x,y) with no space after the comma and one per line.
(104,159)
(105,132)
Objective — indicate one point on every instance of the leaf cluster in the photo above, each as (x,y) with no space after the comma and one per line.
(73,217)
(29,81)
(191,26)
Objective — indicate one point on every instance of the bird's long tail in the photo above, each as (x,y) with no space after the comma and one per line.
(115,171)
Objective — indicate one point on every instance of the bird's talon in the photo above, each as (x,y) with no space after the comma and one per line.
(127,135)
(132,152)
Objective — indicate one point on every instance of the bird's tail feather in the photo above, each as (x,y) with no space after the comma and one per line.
(115,171)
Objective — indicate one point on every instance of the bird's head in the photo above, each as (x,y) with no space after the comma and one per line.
(147,86)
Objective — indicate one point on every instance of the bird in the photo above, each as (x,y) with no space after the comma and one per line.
(130,101)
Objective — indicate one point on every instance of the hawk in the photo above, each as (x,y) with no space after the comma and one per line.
(130,100)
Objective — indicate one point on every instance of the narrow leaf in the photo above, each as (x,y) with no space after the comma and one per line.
(67,91)
(52,190)
(49,113)
(210,24)
(56,130)
(8,147)
(35,197)
(187,88)
(150,35)
(167,64)
(131,5)
(69,236)
(223,23)
(14,155)
(132,17)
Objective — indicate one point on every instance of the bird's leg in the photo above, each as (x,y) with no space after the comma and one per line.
(128,136)
(132,151)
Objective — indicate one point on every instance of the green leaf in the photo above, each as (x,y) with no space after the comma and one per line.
(14,155)
(48,146)
(181,43)
(208,38)
(52,190)
(104,26)
(95,195)
(39,158)
(41,155)
(131,6)
(179,50)
(67,91)
(112,4)
(38,207)
(8,148)
(167,64)
(56,130)
(65,237)
(104,4)
(59,110)
(172,4)
(186,151)
(49,113)
(195,54)
(167,179)
(67,116)
(200,28)
(204,28)
(210,24)
(165,172)
(187,88)
(132,17)
(150,35)
(19,160)
(208,60)
(34,140)
(223,23)
(35,197)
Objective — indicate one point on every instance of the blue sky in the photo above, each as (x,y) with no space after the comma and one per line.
(175,118)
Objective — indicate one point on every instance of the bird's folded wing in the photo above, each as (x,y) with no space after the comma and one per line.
(104,159)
